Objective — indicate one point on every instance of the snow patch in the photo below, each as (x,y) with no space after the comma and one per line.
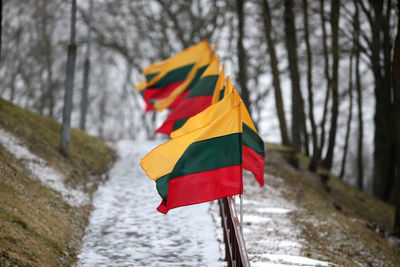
(255,219)
(41,170)
(273,210)
(287,243)
(288,259)
(126,230)
(394,240)
(269,264)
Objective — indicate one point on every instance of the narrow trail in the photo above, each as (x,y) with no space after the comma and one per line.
(126,230)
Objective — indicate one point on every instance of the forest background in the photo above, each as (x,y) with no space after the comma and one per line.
(318,75)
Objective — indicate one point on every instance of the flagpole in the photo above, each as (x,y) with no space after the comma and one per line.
(241,169)
(241,213)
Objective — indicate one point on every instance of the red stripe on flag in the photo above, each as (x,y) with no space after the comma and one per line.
(158,93)
(166,128)
(190,107)
(202,187)
(186,109)
(254,162)
(179,99)
(149,107)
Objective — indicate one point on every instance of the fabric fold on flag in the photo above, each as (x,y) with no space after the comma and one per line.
(201,165)
(169,81)
(199,98)
(220,90)
(253,145)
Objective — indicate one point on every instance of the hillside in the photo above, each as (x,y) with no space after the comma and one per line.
(41,226)
(339,223)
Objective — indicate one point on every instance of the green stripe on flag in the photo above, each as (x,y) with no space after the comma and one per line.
(162,186)
(179,123)
(205,155)
(197,77)
(173,76)
(221,94)
(205,86)
(150,76)
(252,140)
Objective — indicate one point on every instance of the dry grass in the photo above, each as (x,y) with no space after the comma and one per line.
(37,228)
(343,225)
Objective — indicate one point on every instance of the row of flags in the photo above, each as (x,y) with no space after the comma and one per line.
(212,135)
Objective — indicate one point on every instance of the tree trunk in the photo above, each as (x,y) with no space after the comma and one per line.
(47,42)
(335,83)
(275,74)
(313,163)
(298,116)
(396,96)
(69,86)
(85,89)
(387,57)
(242,57)
(383,139)
(360,167)
(327,77)
(348,129)
(102,112)
(1,23)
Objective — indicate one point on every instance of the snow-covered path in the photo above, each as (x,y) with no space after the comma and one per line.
(126,230)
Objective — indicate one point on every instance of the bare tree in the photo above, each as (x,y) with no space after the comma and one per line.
(396,95)
(335,5)
(299,129)
(313,163)
(360,168)
(85,89)
(327,78)
(275,73)
(242,58)
(384,139)
(69,85)
(349,118)
(1,22)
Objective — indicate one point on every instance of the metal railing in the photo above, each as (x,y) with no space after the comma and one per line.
(235,250)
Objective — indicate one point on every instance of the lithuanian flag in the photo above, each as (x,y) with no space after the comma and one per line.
(253,145)
(201,165)
(199,98)
(169,81)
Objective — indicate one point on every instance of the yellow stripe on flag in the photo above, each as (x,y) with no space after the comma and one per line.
(161,160)
(153,68)
(213,68)
(188,56)
(206,117)
(245,113)
(219,86)
(204,60)
(156,67)
(211,113)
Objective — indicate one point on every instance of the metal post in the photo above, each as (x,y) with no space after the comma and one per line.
(241,213)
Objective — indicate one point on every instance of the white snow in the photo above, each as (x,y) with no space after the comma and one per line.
(273,210)
(125,229)
(287,259)
(271,237)
(41,170)
(254,219)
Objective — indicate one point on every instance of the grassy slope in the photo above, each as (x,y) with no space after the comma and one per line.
(37,228)
(344,226)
